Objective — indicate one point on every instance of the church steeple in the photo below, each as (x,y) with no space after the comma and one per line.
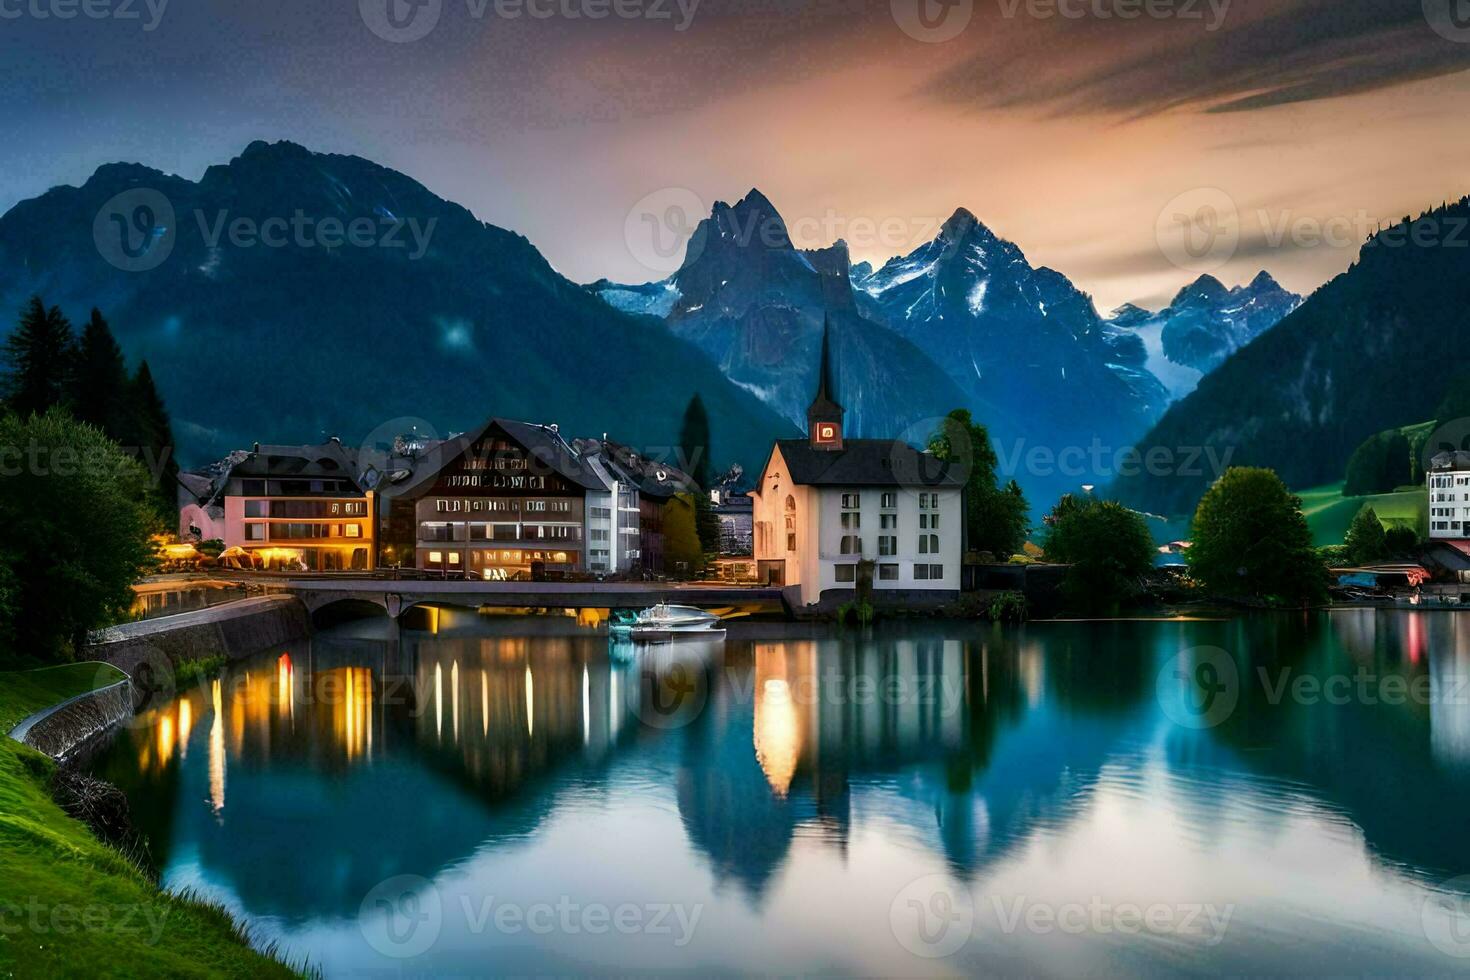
(824,415)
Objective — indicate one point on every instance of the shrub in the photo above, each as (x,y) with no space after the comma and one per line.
(1008,607)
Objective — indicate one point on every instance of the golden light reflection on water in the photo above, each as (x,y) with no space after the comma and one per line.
(780,670)
(217,750)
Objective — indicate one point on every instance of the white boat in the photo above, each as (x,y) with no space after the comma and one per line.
(663,621)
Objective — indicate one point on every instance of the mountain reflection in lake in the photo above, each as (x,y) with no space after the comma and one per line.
(1270,794)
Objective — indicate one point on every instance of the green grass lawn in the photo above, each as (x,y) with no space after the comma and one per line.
(1329,513)
(24,692)
(70,905)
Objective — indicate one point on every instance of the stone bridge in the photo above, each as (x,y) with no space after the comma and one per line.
(397,597)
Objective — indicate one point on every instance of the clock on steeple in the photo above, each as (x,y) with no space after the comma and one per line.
(824,415)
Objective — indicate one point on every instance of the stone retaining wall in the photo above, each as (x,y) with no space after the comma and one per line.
(234,631)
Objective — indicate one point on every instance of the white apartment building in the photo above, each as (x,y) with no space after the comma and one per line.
(1449,496)
(825,504)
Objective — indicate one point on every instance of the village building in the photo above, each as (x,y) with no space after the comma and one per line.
(295,508)
(1449,496)
(829,510)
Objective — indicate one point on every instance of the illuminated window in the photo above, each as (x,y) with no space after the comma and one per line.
(436,557)
(454,558)
(352,530)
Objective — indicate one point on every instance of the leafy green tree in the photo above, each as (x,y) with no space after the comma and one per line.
(153,436)
(1401,540)
(1366,541)
(39,358)
(995,516)
(100,387)
(682,550)
(1108,546)
(1250,540)
(1382,463)
(77,519)
(694,441)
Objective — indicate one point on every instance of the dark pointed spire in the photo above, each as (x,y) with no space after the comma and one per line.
(824,380)
(824,415)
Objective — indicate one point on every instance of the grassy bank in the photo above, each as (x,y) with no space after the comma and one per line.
(1329,513)
(73,906)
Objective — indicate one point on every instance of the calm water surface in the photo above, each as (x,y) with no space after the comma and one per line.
(500,796)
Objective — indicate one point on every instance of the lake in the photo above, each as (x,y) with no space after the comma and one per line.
(496,795)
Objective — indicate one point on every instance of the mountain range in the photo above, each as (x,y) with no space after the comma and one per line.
(291,336)
(1379,346)
(1203,325)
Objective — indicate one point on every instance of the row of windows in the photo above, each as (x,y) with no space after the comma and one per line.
(294,488)
(888,572)
(851,544)
(853,521)
(306,508)
(300,532)
(493,504)
(434,531)
(887,500)
(1445,525)
(1450,481)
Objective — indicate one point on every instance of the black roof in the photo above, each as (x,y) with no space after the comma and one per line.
(543,442)
(868,463)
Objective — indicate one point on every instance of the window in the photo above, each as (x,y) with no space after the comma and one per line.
(928,544)
(255,508)
(888,573)
(852,501)
(535,505)
(889,500)
(921,572)
(851,521)
(846,573)
(888,545)
(454,558)
(252,488)
(929,521)
(936,572)
(436,557)
(851,544)
(887,522)
(352,530)
(790,542)
(254,532)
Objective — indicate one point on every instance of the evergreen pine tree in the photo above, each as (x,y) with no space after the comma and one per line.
(100,382)
(154,438)
(694,441)
(39,358)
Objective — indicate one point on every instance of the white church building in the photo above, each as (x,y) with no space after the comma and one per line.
(824,505)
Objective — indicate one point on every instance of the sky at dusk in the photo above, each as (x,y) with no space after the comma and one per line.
(1087,136)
